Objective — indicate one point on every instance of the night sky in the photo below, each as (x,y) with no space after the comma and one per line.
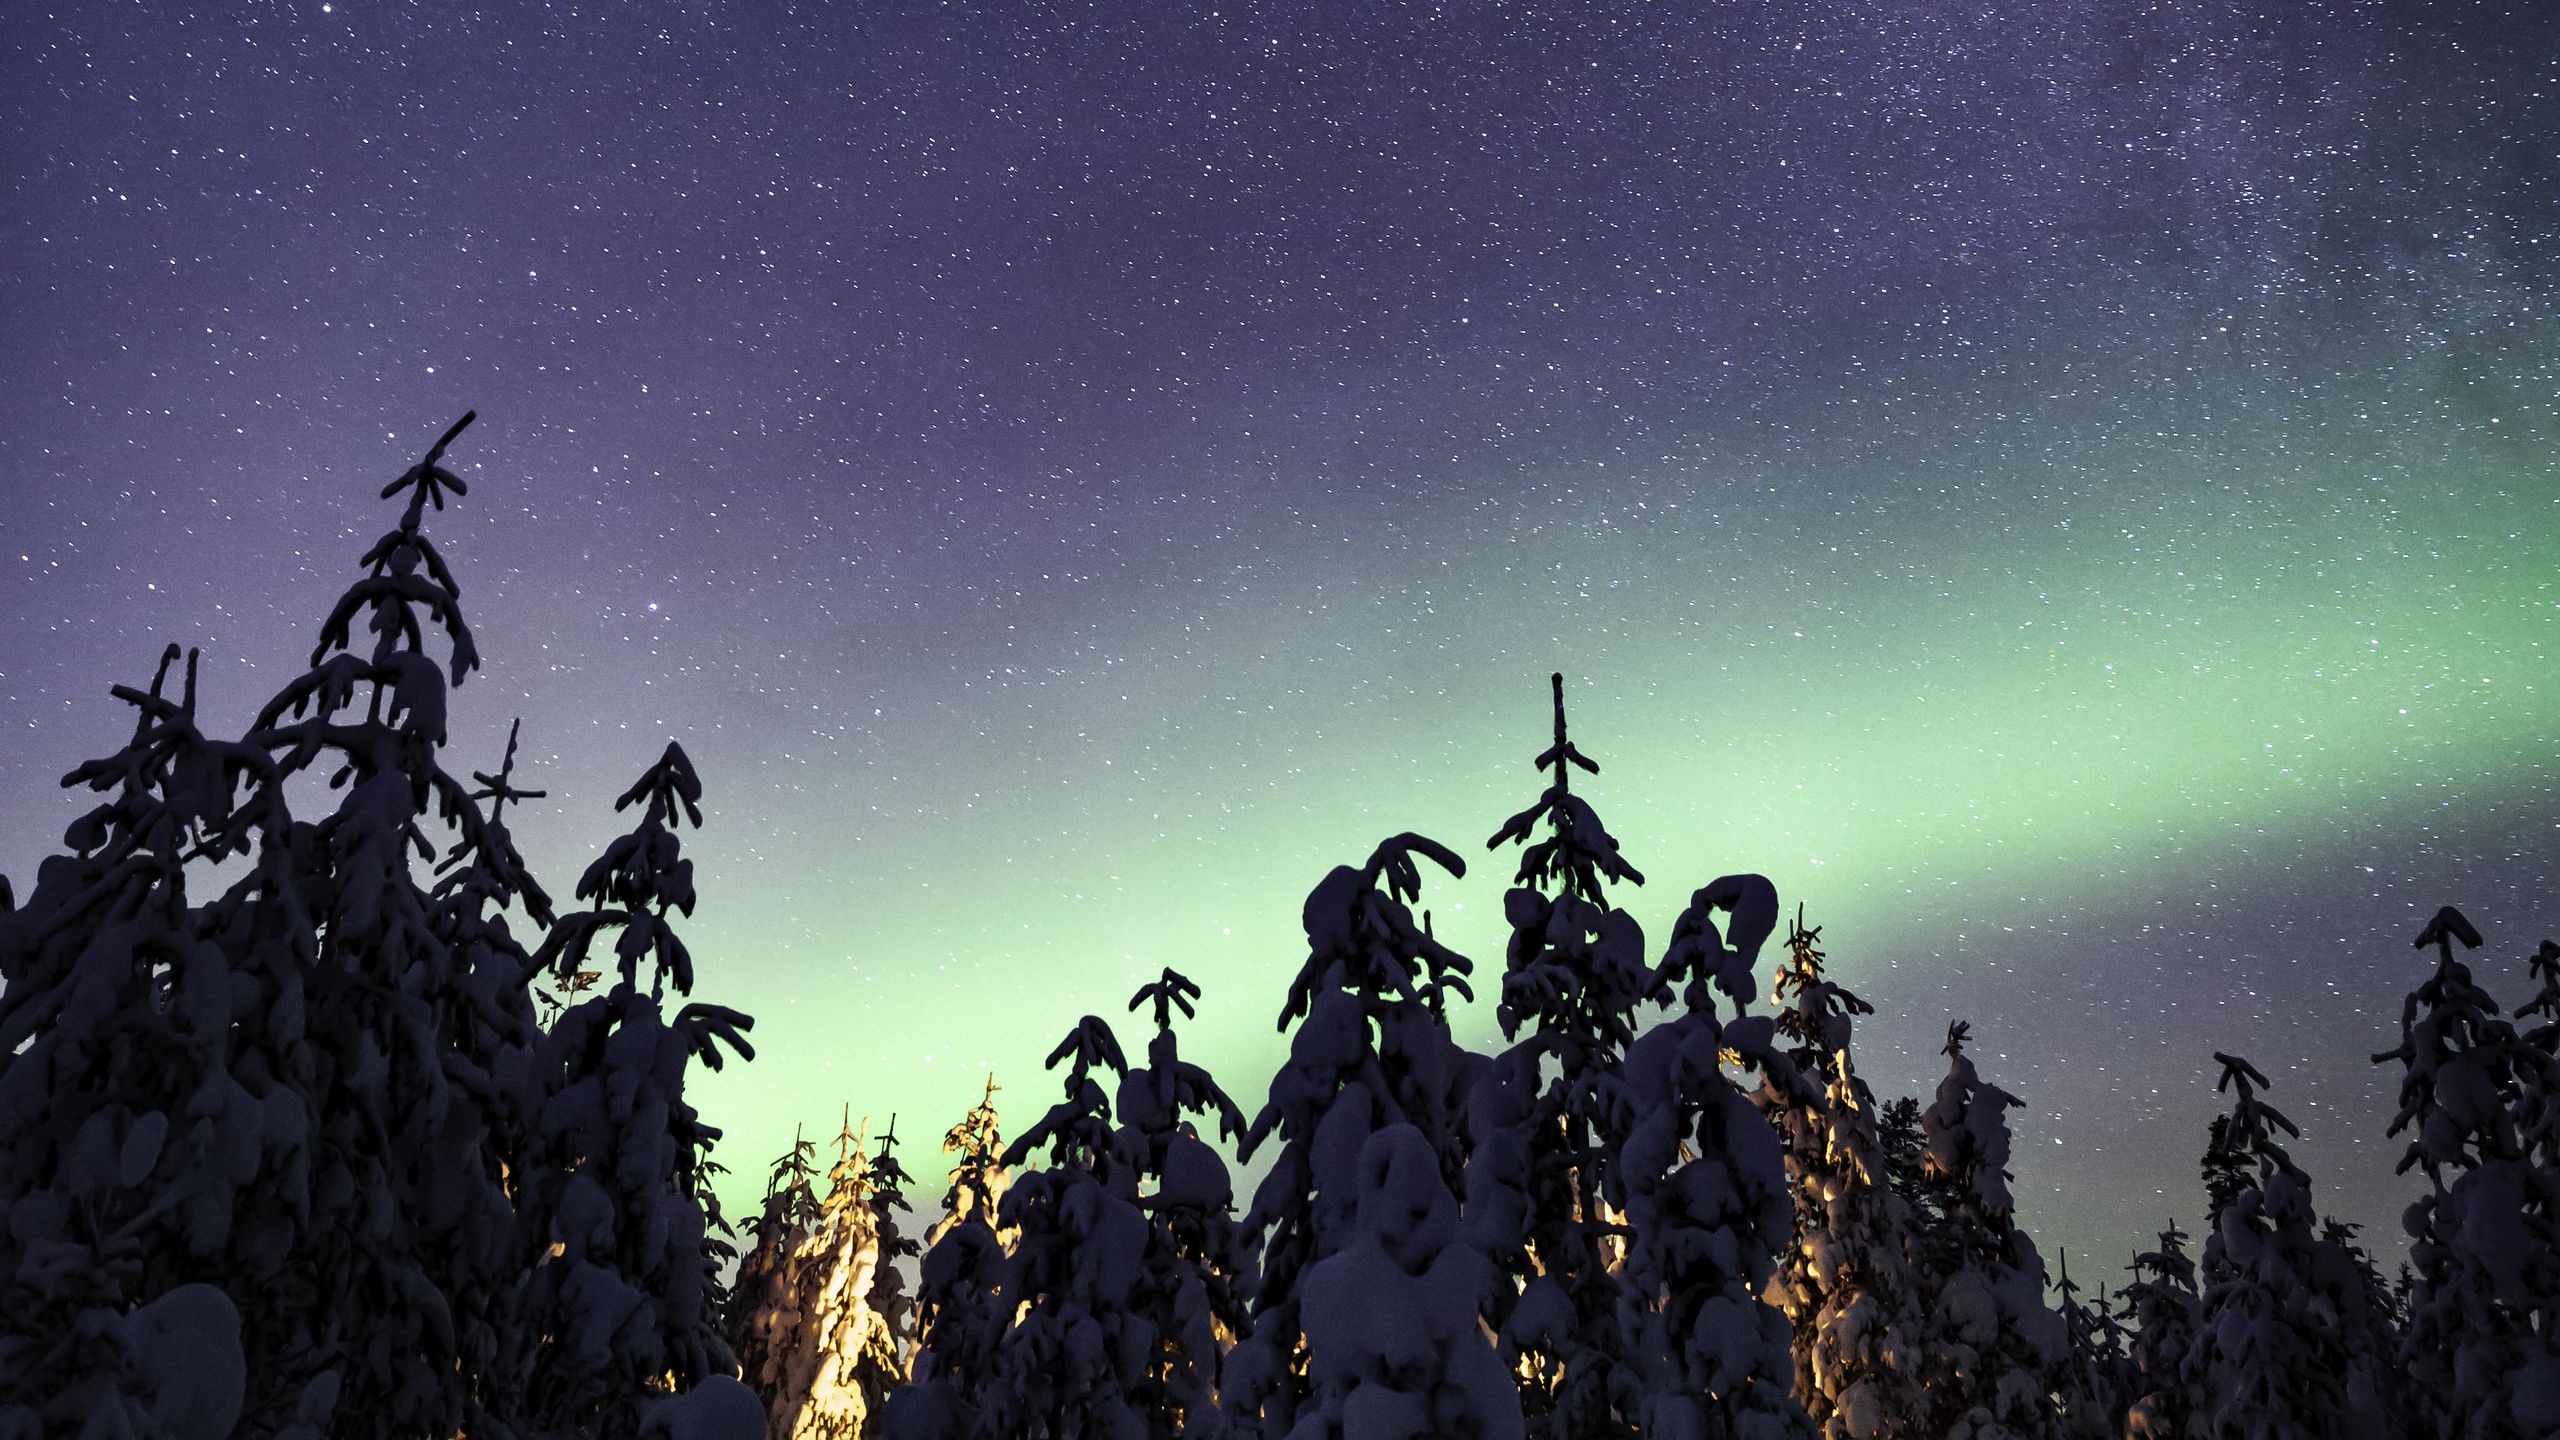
(2065,489)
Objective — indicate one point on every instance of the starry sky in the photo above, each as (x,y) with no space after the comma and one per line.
(2065,489)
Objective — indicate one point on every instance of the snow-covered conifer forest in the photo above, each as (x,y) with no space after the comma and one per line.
(320,1117)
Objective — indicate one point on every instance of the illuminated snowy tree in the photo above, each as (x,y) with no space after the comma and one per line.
(879,1363)
(769,1319)
(1846,1282)
(852,1362)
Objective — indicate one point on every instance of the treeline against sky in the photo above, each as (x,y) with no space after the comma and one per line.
(369,1139)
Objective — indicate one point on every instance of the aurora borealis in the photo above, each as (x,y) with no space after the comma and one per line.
(2064,490)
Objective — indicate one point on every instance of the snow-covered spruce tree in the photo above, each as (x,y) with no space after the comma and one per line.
(962,1310)
(1574,977)
(2087,1385)
(851,1360)
(119,1176)
(1702,1181)
(2166,1314)
(1198,1262)
(768,1320)
(372,1319)
(879,1365)
(1991,1341)
(2280,1304)
(2538,1103)
(626,1279)
(2483,1334)
(1846,1283)
(1079,1350)
(1371,1049)
(491,1025)
(1392,1317)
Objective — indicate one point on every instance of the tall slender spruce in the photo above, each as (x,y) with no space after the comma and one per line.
(626,1232)
(1846,1282)
(2280,1303)
(1543,1116)
(1198,1263)
(1991,1340)
(126,1155)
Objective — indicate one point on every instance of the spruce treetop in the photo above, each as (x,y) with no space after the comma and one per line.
(2460,1059)
(484,870)
(641,876)
(1154,1098)
(1817,1013)
(1578,853)
(1077,1129)
(406,589)
(1168,992)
